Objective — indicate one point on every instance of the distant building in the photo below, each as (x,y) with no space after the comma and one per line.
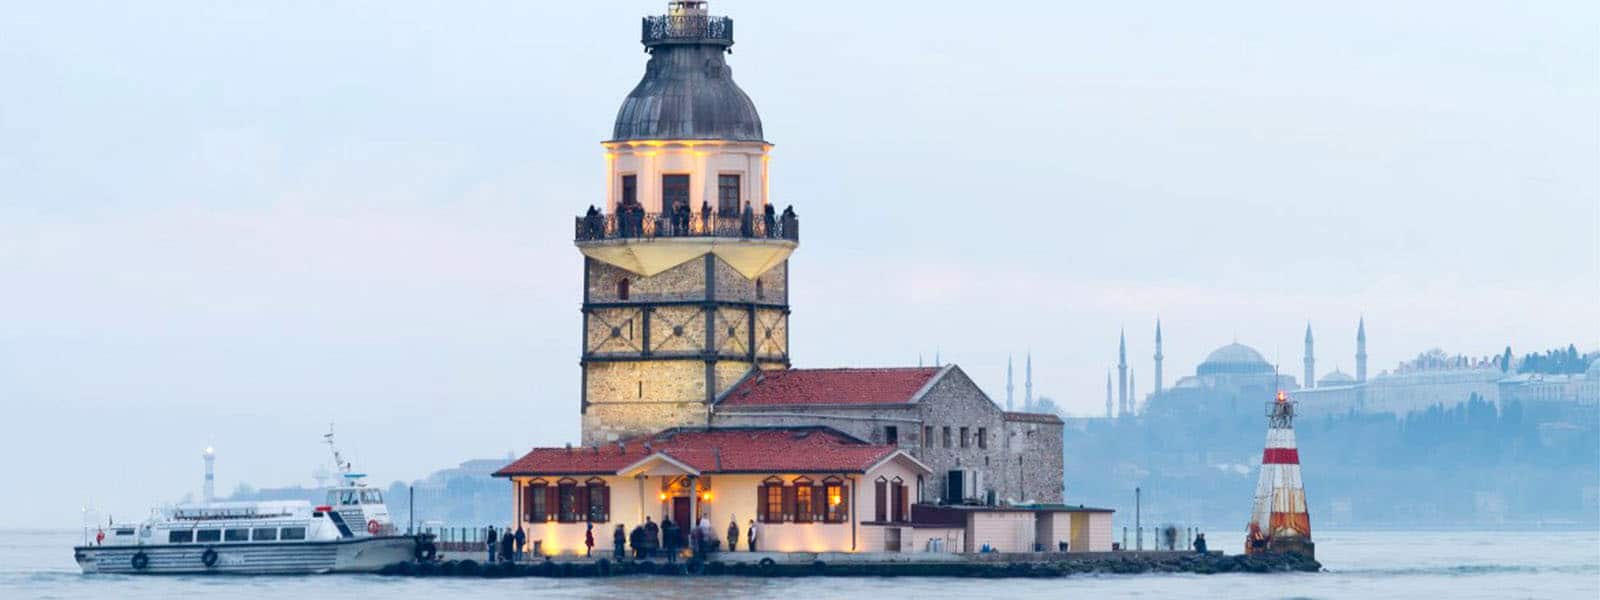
(1233,378)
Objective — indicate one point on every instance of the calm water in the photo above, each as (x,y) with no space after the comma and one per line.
(1431,565)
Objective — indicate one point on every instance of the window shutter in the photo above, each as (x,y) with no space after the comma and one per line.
(605,503)
(761,503)
(552,502)
(788,503)
(581,501)
(881,502)
(527,502)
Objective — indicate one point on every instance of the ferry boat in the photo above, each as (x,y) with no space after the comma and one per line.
(351,532)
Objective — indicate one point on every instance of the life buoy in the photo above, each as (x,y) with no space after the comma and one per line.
(140,561)
(209,557)
(425,551)
(373,527)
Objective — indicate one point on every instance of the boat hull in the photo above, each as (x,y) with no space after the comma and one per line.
(358,555)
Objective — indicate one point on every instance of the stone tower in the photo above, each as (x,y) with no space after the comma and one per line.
(686,263)
(1361,350)
(1311,361)
(1122,373)
(1159,356)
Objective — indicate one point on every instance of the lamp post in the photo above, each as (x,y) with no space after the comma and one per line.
(1138,528)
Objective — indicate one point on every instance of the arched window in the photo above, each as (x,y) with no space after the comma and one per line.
(897,495)
(622,289)
(535,501)
(880,500)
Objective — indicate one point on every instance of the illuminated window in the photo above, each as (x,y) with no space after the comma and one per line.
(803,507)
(771,506)
(727,194)
(838,501)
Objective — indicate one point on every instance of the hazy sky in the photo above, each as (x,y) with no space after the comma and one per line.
(231,223)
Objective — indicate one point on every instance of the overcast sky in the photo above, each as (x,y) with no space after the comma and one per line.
(231,223)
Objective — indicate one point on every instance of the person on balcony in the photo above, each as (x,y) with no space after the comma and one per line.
(790,222)
(768,220)
(746,222)
(705,217)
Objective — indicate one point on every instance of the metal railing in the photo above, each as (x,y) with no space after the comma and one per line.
(643,225)
(686,28)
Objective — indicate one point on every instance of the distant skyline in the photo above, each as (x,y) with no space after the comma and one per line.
(230,224)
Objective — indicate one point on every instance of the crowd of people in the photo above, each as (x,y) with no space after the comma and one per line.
(680,221)
(646,540)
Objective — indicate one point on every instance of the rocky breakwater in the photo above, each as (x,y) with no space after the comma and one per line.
(1056,565)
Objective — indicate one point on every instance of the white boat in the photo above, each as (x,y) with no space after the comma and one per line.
(350,533)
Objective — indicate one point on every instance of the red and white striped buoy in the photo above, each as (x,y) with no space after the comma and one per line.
(1279,521)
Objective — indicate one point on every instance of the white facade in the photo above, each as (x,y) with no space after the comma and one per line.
(704,161)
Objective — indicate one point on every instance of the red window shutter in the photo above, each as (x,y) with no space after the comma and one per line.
(761,503)
(788,503)
(881,502)
(552,502)
(899,498)
(527,502)
(605,503)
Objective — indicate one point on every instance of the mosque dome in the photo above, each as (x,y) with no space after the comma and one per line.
(1594,370)
(1337,377)
(1234,359)
(688,92)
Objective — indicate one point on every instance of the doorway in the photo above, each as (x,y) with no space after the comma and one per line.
(680,515)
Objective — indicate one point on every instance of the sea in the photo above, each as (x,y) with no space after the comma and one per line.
(1429,565)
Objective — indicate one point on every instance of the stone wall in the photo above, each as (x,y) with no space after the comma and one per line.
(604,423)
(1038,459)
(734,287)
(683,282)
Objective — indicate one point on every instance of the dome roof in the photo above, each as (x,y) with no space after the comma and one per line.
(687,93)
(1234,358)
(1337,377)
(1594,369)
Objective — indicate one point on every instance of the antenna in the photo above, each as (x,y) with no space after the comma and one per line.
(339,463)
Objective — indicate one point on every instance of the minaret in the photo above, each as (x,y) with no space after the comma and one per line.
(686,278)
(1122,374)
(1109,411)
(1361,351)
(1027,383)
(1133,396)
(1311,361)
(1009,387)
(208,490)
(1159,356)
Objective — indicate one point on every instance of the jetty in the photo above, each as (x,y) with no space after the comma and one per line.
(838,564)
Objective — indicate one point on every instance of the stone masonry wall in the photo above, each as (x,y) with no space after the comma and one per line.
(1038,455)
(732,286)
(683,282)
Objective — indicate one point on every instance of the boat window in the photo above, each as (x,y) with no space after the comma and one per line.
(266,534)
(371,497)
(294,533)
(128,531)
(236,535)
(208,535)
(347,497)
(180,537)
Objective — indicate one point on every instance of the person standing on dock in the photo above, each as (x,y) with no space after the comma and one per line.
(588,541)
(636,539)
(652,536)
(670,537)
(522,544)
(733,534)
(751,536)
(1200,543)
(508,544)
(619,539)
(489,541)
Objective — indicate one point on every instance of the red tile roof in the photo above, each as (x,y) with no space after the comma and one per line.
(830,386)
(720,450)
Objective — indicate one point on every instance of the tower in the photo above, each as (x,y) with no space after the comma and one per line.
(1311,361)
(1109,411)
(1009,387)
(1133,397)
(1122,373)
(1159,356)
(686,265)
(1027,383)
(1361,351)
(208,490)
(1279,521)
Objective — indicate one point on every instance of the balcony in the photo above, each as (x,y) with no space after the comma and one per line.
(643,225)
(687,29)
